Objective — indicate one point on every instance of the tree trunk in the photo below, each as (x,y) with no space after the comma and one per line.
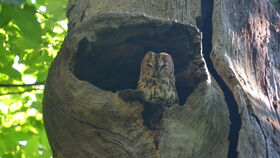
(228,104)
(246,41)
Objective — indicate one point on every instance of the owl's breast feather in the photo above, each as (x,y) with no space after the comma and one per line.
(158,90)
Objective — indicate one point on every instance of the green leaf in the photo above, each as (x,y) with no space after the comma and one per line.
(42,75)
(26,20)
(20,135)
(11,72)
(27,43)
(57,8)
(2,37)
(9,155)
(32,57)
(32,146)
(45,144)
(8,138)
(35,124)
(27,33)
(44,138)
(37,106)
(45,154)
(3,147)
(41,2)
(4,18)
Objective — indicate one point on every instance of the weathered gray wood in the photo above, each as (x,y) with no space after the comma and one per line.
(185,11)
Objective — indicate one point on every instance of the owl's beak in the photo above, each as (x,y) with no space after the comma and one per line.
(157,75)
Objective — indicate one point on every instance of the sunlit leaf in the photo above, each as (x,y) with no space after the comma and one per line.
(26,20)
(45,145)
(11,72)
(57,8)
(30,37)
(32,146)
(3,147)
(26,43)
(37,105)
(9,139)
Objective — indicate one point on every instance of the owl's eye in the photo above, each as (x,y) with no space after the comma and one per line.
(149,65)
(163,66)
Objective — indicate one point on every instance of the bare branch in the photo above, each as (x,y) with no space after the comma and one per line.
(19,92)
(22,85)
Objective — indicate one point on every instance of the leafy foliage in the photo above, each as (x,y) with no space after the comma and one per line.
(31,33)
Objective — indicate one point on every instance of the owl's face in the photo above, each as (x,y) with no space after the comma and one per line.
(157,65)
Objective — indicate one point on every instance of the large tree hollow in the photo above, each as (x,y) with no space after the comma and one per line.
(102,55)
(111,58)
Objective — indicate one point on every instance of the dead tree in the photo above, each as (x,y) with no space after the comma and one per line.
(228,104)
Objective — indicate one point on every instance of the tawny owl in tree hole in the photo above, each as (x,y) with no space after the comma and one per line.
(157,80)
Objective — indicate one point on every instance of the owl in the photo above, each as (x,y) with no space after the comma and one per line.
(157,80)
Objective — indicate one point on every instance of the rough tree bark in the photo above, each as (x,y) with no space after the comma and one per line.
(246,41)
(85,114)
